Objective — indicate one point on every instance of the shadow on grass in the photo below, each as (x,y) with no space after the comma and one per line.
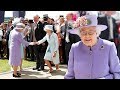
(31,75)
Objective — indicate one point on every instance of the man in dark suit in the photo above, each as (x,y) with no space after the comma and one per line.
(111,33)
(39,33)
(69,38)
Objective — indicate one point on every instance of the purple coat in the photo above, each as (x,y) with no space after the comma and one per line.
(15,41)
(101,61)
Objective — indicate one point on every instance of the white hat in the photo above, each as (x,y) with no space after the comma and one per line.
(48,27)
(20,26)
(16,21)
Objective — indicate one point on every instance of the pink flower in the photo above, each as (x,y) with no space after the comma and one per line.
(74,17)
(81,21)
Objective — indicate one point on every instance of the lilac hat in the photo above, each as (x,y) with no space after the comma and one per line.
(20,26)
(87,21)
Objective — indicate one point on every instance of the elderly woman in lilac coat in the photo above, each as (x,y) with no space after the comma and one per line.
(16,40)
(92,57)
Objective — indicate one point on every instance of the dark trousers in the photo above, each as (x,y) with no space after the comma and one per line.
(27,53)
(63,51)
(67,50)
(39,57)
(32,53)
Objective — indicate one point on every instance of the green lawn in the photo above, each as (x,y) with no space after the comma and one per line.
(5,67)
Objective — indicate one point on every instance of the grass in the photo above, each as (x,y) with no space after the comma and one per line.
(5,67)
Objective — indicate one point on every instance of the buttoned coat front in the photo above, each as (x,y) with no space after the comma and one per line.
(51,48)
(101,61)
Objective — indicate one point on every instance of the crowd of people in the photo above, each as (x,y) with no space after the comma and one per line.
(49,41)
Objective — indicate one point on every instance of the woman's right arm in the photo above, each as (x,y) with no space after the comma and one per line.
(42,40)
(70,72)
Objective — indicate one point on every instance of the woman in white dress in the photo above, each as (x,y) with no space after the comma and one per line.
(52,51)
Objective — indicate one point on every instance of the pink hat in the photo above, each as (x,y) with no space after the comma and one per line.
(87,21)
(74,17)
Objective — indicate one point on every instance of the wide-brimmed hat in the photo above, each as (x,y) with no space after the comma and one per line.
(48,27)
(87,21)
(20,26)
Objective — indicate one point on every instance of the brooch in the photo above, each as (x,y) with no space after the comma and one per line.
(102,47)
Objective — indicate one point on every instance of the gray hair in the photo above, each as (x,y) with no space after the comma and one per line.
(98,31)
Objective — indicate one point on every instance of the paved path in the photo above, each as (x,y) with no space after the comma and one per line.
(28,73)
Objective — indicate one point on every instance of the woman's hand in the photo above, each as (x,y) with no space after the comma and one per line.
(54,54)
(32,43)
(37,43)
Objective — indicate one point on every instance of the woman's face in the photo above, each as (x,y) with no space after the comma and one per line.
(20,30)
(88,35)
(61,20)
(48,32)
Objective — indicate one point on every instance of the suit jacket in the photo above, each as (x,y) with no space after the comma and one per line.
(101,61)
(105,33)
(39,34)
(8,32)
(72,37)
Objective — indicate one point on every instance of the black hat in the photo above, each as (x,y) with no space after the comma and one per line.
(61,16)
(30,21)
(45,16)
